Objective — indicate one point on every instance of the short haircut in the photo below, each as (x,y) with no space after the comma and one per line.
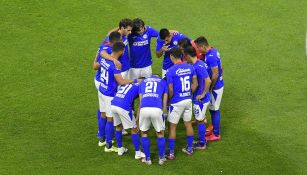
(184,42)
(201,41)
(118,46)
(164,33)
(114,36)
(125,23)
(190,51)
(137,25)
(176,52)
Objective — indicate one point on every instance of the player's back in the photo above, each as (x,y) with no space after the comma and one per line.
(212,59)
(103,47)
(125,96)
(108,84)
(181,76)
(152,90)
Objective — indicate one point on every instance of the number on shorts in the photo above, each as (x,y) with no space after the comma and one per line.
(185,83)
(151,87)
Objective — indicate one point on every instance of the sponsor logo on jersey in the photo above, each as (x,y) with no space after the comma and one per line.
(183,71)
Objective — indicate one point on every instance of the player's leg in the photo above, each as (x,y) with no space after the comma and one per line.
(163,73)
(102,120)
(215,101)
(116,113)
(187,117)
(175,112)
(144,123)
(109,126)
(146,72)
(158,121)
(200,116)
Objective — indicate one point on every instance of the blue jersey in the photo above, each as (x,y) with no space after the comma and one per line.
(181,76)
(125,96)
(201,73)
(140,55)
(124,60)
(108,85)
(152,90)
(103,47)
(167,63)
(212,59)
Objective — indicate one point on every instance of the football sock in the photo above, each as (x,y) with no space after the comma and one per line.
(190,141)
(119,138)
(171,145)
(101,127)
(215,117)
(146,147)
(201,133)
(109,133)
(161,146)
(136,141)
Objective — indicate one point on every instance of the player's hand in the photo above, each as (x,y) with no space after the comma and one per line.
(199,97)
(117,64)
(164,48)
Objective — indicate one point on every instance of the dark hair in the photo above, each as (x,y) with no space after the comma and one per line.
(201,41)
(137,25)
(118,46)
(164,33)
(176,52)
(125,23)
(190,51)
(114,36)
(184,42)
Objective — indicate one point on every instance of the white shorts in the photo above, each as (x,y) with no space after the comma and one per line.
(125,74)
(121,116)
(152,115)
(140,72)
(97,84)
(182,108)
(163,73)
(215,99)
(200,111)
(105,104)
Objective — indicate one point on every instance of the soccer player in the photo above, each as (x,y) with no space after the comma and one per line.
(182,82)
(125,28)
(166,41)
(215,71)
(110,78)
(140,55)
(185,42)
(122,105)
(104,47)
(153,101)
(201,97)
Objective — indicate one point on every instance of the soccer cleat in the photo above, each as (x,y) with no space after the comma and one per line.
(199,146)
(209,130)
(122,151)
(124,132)
(146,161)
(103,142)
(188,150)
(170,156)
(112,149)
(139,155)
(212,137)
(208,133)
(162,161)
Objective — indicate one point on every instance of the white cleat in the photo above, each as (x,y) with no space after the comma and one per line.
(112,149)
(103,143)
(162,161)
(124,132)
(147,162)
(139,155)
(122,151)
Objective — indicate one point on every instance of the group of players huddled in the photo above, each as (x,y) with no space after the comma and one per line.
(191,74)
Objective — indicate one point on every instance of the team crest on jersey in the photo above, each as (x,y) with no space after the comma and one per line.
(145,36)
(175,43)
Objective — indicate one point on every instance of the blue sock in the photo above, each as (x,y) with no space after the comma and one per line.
(171,145)
(119,138)
(146,147)
(102,127)
(190,141)
(215,117)
(161,146)
(201,133)
(136,141)
(109,133)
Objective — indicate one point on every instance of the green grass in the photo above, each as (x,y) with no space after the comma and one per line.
(48,100)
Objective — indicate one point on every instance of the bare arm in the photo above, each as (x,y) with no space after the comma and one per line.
(207,83)
(113,30)
(138,112)
(164,103)
(170,91)
(107,56)
(120,80)
(215,75)
(194,84)
(96,65)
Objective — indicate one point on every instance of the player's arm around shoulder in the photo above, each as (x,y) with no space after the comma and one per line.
(96,65)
